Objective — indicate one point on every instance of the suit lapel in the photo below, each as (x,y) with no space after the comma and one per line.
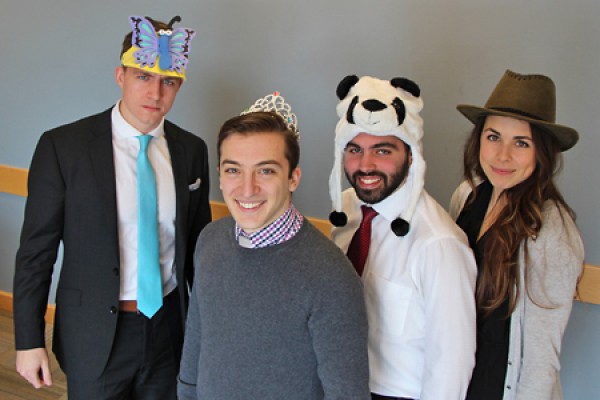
(180,177)
(103,168)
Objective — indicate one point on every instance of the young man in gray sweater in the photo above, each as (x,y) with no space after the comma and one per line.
(276,311)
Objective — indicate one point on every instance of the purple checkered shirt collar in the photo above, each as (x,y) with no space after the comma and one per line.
(282,229)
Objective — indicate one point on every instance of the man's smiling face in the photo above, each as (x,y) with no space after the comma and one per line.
(255,178)
(376,166)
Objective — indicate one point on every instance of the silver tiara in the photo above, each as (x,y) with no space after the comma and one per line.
(275,103)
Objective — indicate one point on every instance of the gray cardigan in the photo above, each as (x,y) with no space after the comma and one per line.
(555,260)
(282,322)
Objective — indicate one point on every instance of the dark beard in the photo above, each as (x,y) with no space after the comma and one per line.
(370,196)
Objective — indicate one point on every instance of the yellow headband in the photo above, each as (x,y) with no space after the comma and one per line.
(128,59)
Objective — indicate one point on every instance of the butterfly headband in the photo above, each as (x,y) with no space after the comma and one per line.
(275,103)
(170,47)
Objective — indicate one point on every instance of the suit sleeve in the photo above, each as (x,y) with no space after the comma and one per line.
(40,237)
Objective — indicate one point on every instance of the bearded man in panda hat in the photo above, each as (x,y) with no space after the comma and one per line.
(416,265)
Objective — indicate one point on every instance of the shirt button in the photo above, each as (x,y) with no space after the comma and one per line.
(508,387)
(113,310)
(510,363)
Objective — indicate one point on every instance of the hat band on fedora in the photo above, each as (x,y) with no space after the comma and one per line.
(518,112)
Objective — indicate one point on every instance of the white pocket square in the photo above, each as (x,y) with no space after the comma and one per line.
(195,185)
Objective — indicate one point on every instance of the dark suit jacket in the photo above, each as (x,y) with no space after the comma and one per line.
(72,198)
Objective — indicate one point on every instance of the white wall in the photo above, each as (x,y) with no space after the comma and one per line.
(58,58)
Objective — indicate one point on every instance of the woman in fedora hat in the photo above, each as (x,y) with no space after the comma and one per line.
(528,249)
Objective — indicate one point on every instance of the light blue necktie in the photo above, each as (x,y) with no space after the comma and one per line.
(149,290)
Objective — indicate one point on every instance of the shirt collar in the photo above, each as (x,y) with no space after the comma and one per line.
(394,205)
(281,230)
(123,129)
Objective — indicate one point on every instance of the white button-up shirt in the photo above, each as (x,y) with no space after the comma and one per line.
(419,292)
(125,149)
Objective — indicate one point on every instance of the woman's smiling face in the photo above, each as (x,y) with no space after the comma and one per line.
(507,152)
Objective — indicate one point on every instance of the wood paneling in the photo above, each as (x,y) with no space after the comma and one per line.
(588,290)
(14,180)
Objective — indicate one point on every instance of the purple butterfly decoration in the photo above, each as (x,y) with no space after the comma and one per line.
(173,45)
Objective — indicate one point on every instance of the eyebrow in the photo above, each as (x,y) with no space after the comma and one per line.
(259,164)
(514,137)
(377,145)
(142,72)
(153,75)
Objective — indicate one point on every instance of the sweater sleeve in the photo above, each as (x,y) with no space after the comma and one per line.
(338,327)
(188,373)
(554,264)
(458,199)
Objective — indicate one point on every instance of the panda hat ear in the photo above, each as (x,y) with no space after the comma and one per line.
(406,84)
(345,85)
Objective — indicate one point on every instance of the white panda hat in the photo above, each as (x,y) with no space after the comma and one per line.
(382,108)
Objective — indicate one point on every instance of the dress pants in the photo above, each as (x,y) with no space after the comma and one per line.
(144,360)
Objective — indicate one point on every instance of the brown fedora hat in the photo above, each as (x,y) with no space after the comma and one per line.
(530,98)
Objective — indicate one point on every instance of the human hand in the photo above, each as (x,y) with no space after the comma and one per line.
(33,365)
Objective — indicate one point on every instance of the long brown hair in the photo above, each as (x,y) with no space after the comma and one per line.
(519,220)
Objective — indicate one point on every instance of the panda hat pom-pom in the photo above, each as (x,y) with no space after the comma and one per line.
(381,108)
(400,227)
(338,218)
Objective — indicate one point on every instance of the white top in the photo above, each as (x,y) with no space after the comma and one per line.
(420,299)
(125,149)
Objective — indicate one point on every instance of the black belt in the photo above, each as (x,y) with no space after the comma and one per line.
(375,396)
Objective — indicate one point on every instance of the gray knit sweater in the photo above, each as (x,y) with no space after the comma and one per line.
(283,322)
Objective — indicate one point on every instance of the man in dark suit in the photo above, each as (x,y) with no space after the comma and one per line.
(83,191)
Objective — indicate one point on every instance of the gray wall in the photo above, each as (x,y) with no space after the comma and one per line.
(58,60)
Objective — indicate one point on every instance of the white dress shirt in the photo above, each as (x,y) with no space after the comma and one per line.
(419,292)
(125,149)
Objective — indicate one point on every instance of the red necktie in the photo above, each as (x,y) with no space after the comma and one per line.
(359,246)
